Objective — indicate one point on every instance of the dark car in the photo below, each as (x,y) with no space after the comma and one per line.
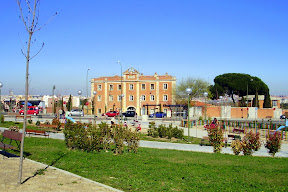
(129,114)
(158,115)
(282,116)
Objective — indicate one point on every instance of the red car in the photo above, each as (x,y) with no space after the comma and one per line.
(31,110)
(112,113)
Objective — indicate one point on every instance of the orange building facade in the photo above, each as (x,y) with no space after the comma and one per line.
(143,94)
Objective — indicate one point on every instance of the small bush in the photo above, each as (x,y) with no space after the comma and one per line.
(56,121)
(92,138)
(37,123)
(30,121)
(47,122)
(250,143)
(14,128)
(236,146)
(165,132)
(2,119)
(273,143)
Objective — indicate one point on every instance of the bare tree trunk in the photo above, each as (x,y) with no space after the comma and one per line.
(25,110)
(31,27)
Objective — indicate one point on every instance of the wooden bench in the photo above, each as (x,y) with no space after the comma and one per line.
(37,132)
(235,130)
(234,137)
(205,138)
(10,136)
(21,117)
(48,125)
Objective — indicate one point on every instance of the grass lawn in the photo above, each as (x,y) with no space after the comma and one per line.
(165,170)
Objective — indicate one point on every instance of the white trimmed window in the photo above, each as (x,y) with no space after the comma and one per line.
(99,87)
(110,87)
(131,98)
(165,97)
(143,86)
(131,86)
(152,98)
(99,97)
(110,97)
(165,86)
(152,86)
(119,98)
(143,98)
(119,87)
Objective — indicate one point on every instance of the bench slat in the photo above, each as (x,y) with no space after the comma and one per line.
(12,135)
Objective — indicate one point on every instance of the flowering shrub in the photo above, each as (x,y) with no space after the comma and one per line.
(216,139)
(236,146)
(273,143)
(250,142)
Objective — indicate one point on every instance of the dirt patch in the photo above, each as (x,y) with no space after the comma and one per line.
(51,180)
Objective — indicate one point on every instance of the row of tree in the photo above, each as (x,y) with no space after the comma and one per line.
(227,84)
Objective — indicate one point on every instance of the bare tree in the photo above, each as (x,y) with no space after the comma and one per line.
(29,13)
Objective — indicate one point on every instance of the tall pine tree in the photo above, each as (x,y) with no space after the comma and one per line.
(267,100)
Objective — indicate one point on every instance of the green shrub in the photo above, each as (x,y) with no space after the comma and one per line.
(56,121)
(14,128)
(30,121)
(273,143)
(37,123)
(200,118)
(2,119)
(92,138)
(165,132)
(47,122)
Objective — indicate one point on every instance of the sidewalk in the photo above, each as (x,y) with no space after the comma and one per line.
(53,179)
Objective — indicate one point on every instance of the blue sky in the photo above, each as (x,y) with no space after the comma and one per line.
(185,38)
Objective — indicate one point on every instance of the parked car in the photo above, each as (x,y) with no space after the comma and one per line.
(282,116)
(112,113)
(75,112)
(31,110)
(129,114)
(158,115)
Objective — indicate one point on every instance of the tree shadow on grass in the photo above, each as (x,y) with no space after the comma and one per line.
(42,171)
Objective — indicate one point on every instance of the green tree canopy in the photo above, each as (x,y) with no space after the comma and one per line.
(239,84)
(198,86)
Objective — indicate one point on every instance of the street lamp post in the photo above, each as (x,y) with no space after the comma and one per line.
(221,97)
(79,93)
(205,95)
(95,109)
(53,100)
(1,85)
(87,87)
(121,90)
(188,91)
